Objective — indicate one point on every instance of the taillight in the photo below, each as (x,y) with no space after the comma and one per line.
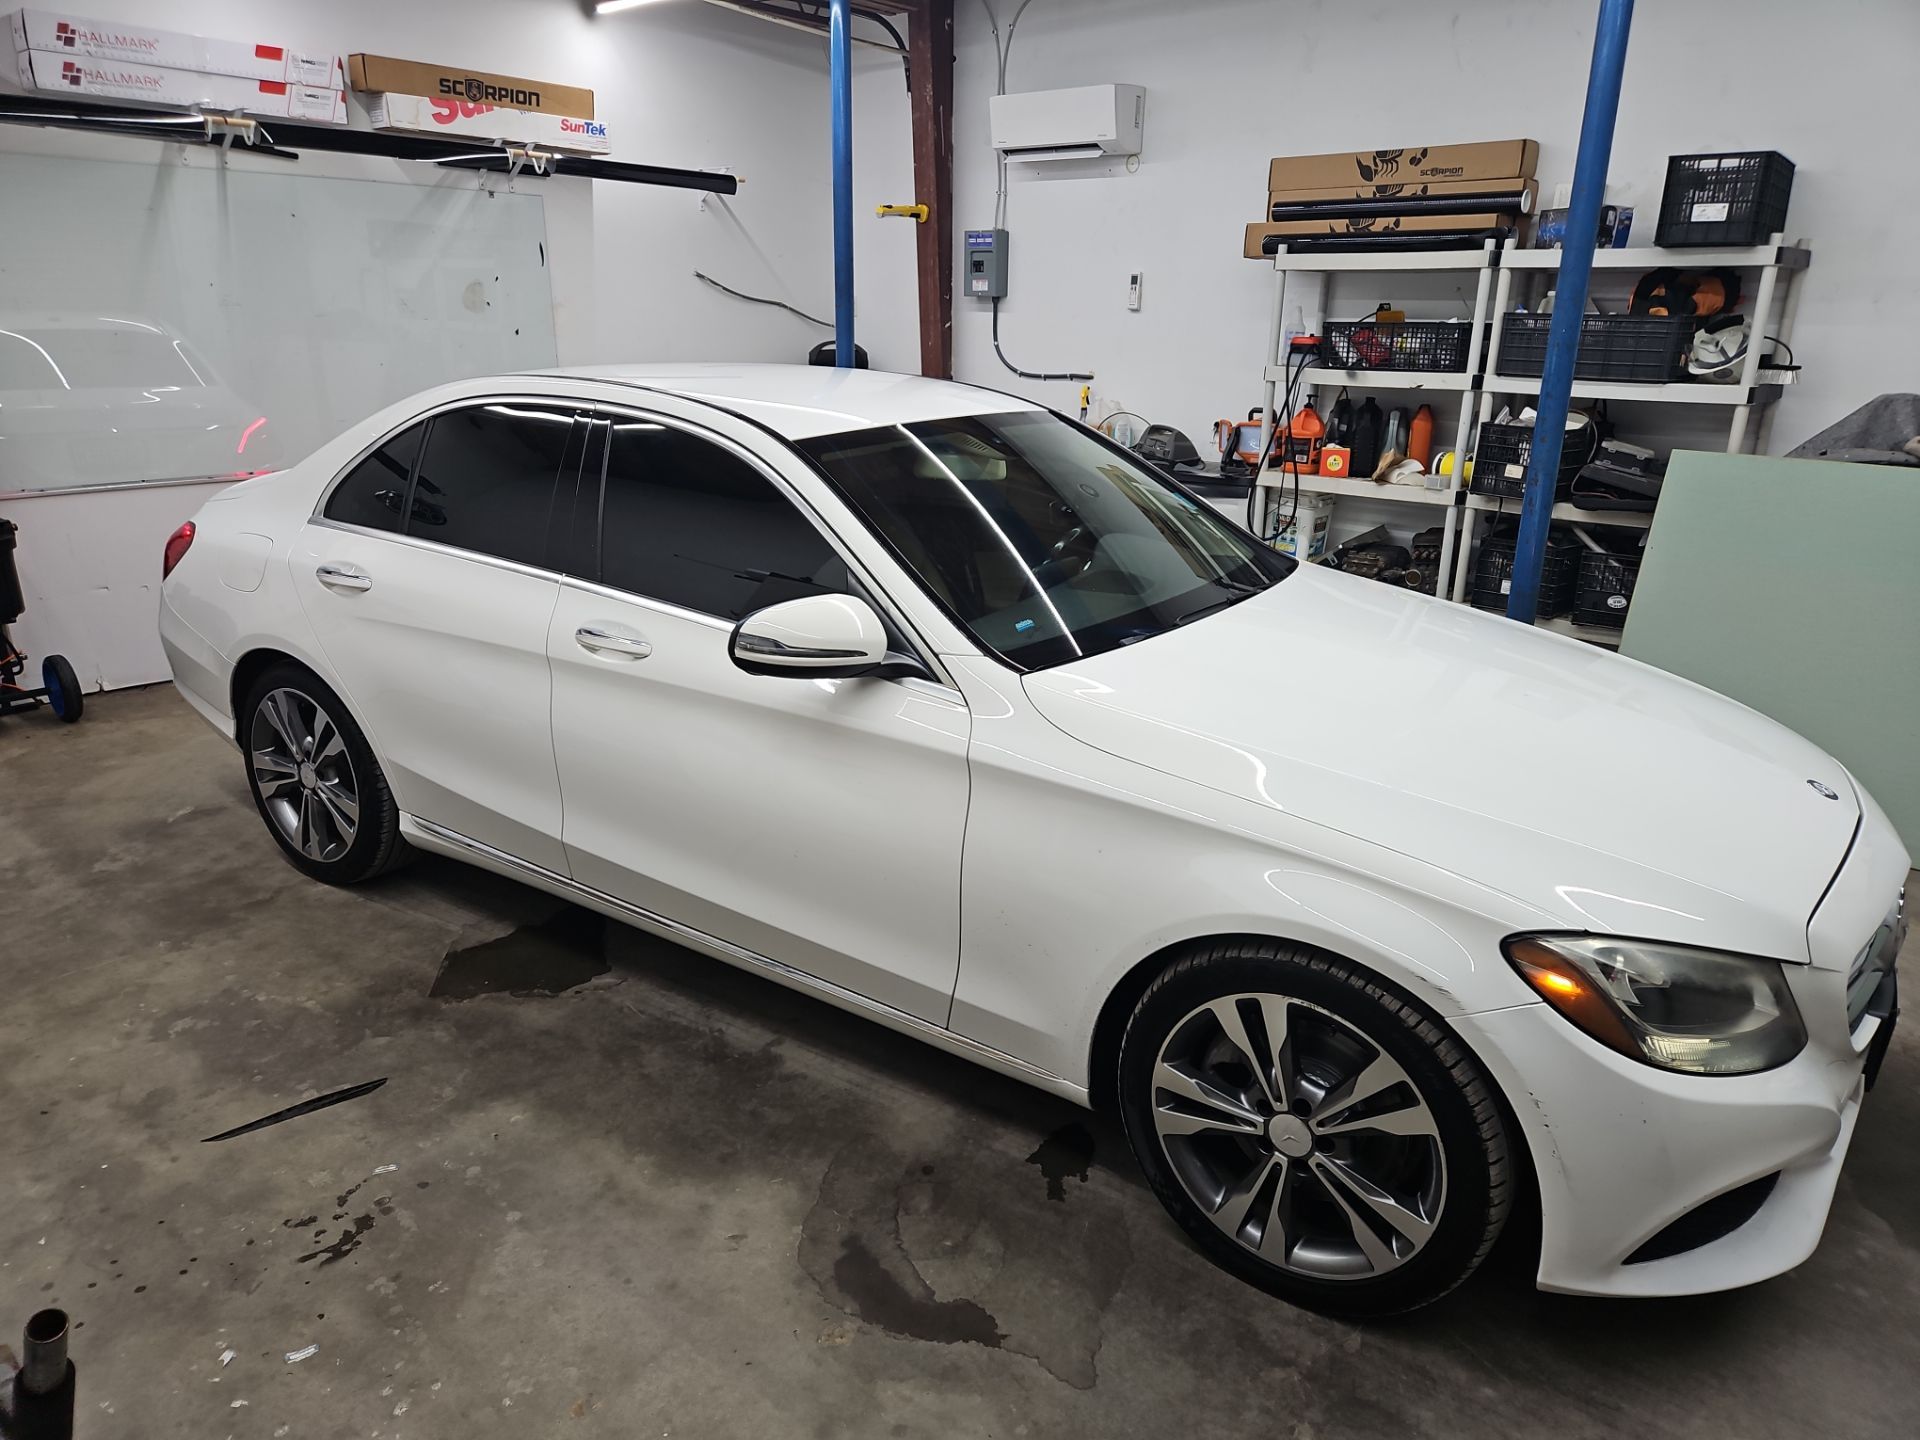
(176,550)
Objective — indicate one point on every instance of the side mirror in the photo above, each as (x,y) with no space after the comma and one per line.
(823,636)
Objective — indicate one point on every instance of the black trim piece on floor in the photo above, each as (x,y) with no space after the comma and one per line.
(305,1107)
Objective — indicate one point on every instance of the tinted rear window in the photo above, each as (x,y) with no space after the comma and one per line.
(487,480)
(374,491)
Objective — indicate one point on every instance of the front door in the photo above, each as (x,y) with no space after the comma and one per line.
(435,625)
(816,822)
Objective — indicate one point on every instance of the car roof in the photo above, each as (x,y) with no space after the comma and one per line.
(800,401)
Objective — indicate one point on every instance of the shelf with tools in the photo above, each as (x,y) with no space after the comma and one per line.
(1746,399)
(1327,375)
(1507,280)
(1276,477)
(1571,514)
(1673,392)
(1282,377)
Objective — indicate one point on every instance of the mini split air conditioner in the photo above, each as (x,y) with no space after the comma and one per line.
(1085,123)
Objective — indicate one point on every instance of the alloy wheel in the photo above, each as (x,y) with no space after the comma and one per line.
(304,774)
(1299,1137)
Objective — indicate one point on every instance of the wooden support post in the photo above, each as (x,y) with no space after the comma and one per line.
(930,57)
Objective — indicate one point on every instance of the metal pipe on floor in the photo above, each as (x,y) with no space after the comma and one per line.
(44,1352)
(1569,304)
(38,1404)
(840,82)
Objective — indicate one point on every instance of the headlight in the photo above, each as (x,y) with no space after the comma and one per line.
(1680,1009)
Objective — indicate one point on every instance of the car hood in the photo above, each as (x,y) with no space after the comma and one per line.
(1613,796)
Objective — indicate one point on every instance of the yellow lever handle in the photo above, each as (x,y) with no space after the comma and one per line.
(918,212)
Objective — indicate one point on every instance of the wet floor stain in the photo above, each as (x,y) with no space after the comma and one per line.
(342,1245)
(919,1254)
(896,1299)
(1065,1154)
(546,958)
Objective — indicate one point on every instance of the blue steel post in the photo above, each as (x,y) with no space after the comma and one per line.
(1569,303)
(840,81)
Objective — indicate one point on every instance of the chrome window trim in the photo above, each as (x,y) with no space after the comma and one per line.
(465,402)
(647,602)
(597,410)
(417,542)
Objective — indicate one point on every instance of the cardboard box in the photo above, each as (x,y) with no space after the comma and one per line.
(1415,189)
(76,36)
(120,80)
(437,115)
(1488,160)
(386,76)
(1391,225)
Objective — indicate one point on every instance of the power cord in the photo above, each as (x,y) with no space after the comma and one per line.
(763,300)
(1001,52)
(1030,374)
(1296,372)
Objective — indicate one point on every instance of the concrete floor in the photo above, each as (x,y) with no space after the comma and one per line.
(676,1200)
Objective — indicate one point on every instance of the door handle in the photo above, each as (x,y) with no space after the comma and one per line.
(592,637)
(343,577)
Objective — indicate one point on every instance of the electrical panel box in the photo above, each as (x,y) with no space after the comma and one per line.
(986,268)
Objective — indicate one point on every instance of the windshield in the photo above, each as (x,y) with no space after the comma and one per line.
(1041,539)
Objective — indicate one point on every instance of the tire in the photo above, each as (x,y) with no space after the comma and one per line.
(315,781)
(63,688)
(1271,1178)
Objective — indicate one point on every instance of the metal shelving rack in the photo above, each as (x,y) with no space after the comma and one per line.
(1484,262)
(1746,403)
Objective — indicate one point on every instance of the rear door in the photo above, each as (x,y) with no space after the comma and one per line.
(429,580)
(817,822)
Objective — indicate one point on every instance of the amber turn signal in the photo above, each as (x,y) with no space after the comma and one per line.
(1563,985)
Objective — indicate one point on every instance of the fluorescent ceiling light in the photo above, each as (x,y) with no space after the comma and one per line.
(613,7)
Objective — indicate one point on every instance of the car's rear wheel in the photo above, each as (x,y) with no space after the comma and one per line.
(315,780)
(1313,1132)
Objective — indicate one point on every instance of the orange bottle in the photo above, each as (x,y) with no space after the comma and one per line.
(1420,436)
(1301,441)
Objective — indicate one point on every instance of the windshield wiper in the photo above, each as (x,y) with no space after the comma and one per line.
(1238,593)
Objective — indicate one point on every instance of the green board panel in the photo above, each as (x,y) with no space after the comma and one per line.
(1794,587)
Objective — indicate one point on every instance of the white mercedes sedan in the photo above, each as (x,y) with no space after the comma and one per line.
(1373,917)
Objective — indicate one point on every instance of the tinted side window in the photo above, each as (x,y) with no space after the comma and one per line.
(375,489)
(486,482)
(684,521)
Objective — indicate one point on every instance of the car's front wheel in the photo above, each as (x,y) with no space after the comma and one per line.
(1314,1133)
(315,780)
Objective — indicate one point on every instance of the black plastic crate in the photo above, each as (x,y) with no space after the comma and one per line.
(1603,588)
(1395,344)
(1501,454)
(1733,200)
(1493,571)
(1649,348)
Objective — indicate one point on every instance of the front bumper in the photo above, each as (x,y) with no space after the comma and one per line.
(1623,1150)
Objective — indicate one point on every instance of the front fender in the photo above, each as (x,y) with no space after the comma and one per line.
(1080,864)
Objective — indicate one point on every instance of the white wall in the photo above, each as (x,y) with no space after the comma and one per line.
(1231,83)
(682,84)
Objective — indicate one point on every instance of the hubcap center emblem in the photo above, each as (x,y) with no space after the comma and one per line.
(1290,1136)
(309,777)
